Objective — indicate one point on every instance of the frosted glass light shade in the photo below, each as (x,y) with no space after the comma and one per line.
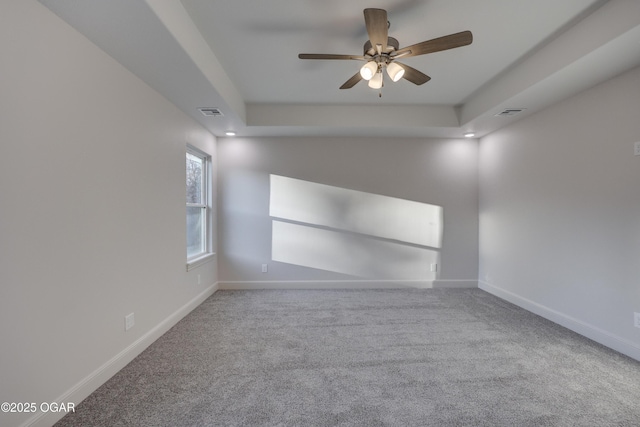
(368,70)
(395,71)
(376,81)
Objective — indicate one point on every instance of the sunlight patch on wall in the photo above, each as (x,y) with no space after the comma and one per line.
(356,211)
(348,253)
(353,232)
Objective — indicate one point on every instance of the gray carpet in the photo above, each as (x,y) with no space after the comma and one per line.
(436,357)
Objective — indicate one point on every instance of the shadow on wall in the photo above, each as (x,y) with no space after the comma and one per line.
(353,232)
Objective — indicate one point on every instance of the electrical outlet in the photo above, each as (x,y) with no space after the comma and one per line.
(434,268)
(636,148)
(265,268)
(129,321)
(636,320)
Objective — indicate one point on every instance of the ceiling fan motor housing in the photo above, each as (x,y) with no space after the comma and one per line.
(392,46)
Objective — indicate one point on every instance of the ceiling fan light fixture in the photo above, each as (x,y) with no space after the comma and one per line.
(369,70)
(376,81)
(395,71)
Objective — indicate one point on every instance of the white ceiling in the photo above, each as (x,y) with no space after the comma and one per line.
(241,57)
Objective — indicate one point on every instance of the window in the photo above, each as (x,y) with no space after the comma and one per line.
(198,207)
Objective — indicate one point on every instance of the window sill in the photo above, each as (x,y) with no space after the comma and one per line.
(197,262)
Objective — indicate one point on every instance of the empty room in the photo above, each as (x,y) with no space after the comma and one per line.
(396,213)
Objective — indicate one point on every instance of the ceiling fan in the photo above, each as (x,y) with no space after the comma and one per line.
(381,53)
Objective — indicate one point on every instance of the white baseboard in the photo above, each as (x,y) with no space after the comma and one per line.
(325,284)
(89,384)
(455,284)
(347,284)
(594,333)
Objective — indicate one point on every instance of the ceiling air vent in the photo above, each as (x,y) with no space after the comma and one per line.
(211,112)
(507,112)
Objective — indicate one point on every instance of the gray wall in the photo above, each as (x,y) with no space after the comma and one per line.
(560,212)
(92,214)
(434,171)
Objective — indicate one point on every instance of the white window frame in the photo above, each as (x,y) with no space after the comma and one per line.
(208,254)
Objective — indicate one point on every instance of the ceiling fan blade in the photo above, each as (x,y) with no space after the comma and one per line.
(377,27)
(329,56)
(352,81)
(436,45)
(413,75)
